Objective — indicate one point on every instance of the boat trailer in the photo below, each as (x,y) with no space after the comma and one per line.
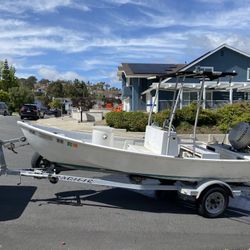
(211,196)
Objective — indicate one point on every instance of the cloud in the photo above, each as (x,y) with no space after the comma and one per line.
(90,64)
(24,39)
(211,40)
(53,74)
(112,76)
(115,31)
(214,16)
(134,2)
(21,6)
(21,38)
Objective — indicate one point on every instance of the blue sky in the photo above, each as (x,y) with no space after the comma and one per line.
(88,39)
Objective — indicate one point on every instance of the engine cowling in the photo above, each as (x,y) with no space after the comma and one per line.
(239,136)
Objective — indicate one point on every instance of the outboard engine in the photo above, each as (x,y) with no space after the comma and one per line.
(239,136)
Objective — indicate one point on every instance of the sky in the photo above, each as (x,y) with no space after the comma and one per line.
(89,39)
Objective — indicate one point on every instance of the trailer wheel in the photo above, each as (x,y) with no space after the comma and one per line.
(213,202)
(37,161)
(53,180)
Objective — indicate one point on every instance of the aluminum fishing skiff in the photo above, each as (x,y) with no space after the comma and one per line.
(80,150)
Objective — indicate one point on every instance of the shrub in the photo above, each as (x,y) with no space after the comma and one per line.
(208,117)
(184,127)
(135,121)
(208,120)
(231,114)
(160,117)
(186,114)
(115,119)
(132,121)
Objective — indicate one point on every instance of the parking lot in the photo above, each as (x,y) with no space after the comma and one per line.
(39,215)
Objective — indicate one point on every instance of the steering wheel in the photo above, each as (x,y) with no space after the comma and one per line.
(166,125)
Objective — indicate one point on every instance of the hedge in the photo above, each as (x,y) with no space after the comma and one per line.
(223,118)
(231,114)
(132,121)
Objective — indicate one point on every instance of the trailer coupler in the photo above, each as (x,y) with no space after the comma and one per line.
(11,144)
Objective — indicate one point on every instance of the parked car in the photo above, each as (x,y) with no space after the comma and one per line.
(55,112)
(31,111)
(4,109)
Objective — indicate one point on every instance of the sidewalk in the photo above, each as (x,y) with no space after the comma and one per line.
(68,123)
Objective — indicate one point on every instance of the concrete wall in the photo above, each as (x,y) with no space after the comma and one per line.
(87,116)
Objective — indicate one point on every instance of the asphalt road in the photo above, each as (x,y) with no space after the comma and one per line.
(40,215)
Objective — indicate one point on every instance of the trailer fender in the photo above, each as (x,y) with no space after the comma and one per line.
(213,183)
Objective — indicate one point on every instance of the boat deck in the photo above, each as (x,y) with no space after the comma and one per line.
(225,152)
(199,151)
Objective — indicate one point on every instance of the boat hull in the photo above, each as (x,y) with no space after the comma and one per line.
(79,154)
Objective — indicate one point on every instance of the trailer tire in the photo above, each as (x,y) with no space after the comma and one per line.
(213,202)
(37,161)
(53,180)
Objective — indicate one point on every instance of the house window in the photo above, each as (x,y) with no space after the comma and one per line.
(189,97)
(205,68)
(248,74)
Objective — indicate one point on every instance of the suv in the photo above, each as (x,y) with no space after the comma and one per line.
(31,111)
(4,109)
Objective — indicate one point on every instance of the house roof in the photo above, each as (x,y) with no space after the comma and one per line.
(212,52)
(144,70)
(147,69)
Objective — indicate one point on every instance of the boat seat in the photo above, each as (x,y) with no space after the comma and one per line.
(200,151)
(139,149)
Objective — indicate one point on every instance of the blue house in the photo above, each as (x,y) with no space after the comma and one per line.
(138,90)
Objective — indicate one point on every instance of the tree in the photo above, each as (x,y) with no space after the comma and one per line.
(107,86)
(4,96)
(55,104)
(28,83)
(19,96)
(81,89)
(100,85)
(76,89)
(55,89)
(8,79)
(85,103)
(1,68)
(43,98)
(44,82)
